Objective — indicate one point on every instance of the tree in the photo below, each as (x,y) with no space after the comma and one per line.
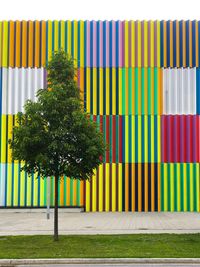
(54,136)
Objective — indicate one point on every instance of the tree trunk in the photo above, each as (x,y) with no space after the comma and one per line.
(56,210)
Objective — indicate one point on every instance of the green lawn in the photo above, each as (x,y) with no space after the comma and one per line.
(116,246)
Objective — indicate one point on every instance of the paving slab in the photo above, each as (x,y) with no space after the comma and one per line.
(32,223)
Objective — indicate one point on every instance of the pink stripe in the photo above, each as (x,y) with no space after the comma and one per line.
(120,44)
(88,44)
(198,138)
(113,44)
(94,44)
(107,44)
(101,43)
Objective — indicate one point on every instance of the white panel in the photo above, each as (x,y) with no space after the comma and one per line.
(165,90)
(18,85)
(2,184)
(5,91)
(179,91)
(193,91)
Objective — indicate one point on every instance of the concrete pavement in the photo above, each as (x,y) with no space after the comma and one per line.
(98,262)
(32,223)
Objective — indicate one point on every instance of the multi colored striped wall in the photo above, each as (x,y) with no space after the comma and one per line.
(140,81)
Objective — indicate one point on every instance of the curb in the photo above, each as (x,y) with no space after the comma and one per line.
(15,262)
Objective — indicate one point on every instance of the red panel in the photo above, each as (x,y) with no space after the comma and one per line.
(114,138)
(164,138)
(171,138)
(191,138)
(107,137)
(198,138)
(184,140)
(101,127)
(178,140)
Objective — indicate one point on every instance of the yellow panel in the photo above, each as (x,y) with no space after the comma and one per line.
(94,200)
(87,195)
(114,187)
(107,91)
(11,44)
(55,35)
(158,44)
(75,43)
(35,199)
(49,39)
(139,44)
(113,91)
(88,90)
(172,186)
(100,188)
(107,187)
(29,187)
(22,188)
(152,44)
(69,38)
(185,185)
(62,27)
(101,91)
(5,44)
(145,44)
(191,187)
(120,187)
(10,128)
(178,187)
(165,187)
(42,181)
(126,44)
(95,91)
(1,52)
(133,43)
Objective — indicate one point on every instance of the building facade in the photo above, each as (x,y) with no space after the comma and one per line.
(140,80)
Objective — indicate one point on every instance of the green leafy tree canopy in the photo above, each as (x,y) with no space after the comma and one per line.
(54,136)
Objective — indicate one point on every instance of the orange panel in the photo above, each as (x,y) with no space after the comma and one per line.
(30,44)
(24,44)
(18,44)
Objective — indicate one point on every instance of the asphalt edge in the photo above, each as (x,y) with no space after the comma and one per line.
(15,262)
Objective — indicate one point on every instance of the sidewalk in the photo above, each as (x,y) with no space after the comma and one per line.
(34,223)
